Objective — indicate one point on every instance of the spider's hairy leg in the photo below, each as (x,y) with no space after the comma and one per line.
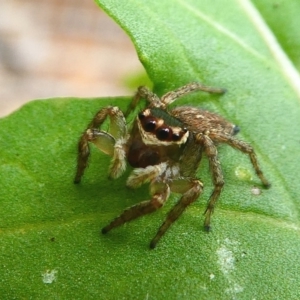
(160,194)
(103,141)
(143,93)
(118,163)
(83,155)
(170,97)
(191,189)
(217,176)
(245,148)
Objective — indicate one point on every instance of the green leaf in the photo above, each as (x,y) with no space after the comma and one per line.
(50,242)
(283,21)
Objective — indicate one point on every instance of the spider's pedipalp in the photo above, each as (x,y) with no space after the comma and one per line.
(118,162)
(140,176)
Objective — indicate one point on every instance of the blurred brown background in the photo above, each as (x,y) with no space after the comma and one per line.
(51,48)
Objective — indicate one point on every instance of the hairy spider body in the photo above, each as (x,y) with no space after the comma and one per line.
(165,148)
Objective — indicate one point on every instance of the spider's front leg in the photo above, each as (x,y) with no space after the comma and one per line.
(191,190)
(160,194)
(105,141)
(143,93)
(170,97)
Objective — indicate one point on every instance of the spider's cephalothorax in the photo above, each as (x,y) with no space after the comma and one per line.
(164,147)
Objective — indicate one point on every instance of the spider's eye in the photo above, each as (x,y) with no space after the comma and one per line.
(141,116)
(149,125)
(175,137)
(163,133)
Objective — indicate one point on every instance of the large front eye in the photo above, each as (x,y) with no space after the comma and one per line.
(141,116)
(176,137)
(149,125)
(163,133)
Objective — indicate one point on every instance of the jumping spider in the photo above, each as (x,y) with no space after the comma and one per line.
(164,146)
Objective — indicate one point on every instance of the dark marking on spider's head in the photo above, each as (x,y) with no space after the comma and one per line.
(158,127)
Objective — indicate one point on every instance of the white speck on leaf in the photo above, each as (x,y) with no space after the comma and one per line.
(255,191)
(226,260)
(49,276)
(234,289)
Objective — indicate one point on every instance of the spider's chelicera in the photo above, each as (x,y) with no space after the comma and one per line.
(164,146)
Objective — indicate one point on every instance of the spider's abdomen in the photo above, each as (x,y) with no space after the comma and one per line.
(198,120)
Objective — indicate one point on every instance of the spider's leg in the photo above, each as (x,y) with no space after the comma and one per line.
(143,93)
(245,148)
(170,97)
(83,155)
(217,176)
(160,196)
(102,140)
(191,189)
